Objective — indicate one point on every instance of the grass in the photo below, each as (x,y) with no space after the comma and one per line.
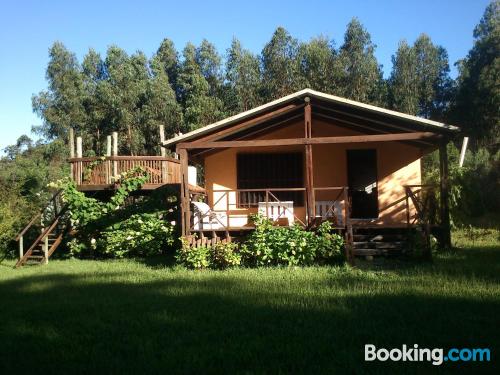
(133,316)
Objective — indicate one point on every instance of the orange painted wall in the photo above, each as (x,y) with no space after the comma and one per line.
(398,164)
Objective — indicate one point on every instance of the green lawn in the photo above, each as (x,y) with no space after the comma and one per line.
(77,316)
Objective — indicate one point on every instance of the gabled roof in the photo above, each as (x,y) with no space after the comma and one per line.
(389,114)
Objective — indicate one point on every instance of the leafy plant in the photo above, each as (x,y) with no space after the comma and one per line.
(328,245)
(224,255)
(113,228)
(291,246)
(193,257)
(141,234)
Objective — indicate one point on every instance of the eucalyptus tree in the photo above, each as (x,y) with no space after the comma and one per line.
(123,94)
(210,63)
(281,65)
(199,107)
(160,107)
(60,106)
(243,79)
(433,74)
(361,78)
(169,58)
(420,82)
(97,125)
(404,82)
(319,65)
(477,102)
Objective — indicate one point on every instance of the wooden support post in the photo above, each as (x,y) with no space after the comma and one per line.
(348,229)
(79,154)
(311,209)
(79,147)
(444,196)
(115,153)
(72,150)
(108,162)
(108,145)
(185,200)
(46,249)
(21,247)
(163,151)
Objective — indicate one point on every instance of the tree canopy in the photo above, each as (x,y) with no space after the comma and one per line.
(134,94)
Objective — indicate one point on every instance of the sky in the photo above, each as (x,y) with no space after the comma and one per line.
(28,29)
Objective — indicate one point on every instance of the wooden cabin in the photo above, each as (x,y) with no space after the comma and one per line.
(310,157)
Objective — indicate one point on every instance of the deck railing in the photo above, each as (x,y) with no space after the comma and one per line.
(274,203)
(424,199)
(100,171)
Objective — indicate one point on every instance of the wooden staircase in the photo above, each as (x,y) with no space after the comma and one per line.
(379,241)
(46,230)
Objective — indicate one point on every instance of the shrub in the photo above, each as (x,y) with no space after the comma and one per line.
(115,228)
(193,257)
(328,245)
(141,234)
(224,255)
(291,246)
(220,256)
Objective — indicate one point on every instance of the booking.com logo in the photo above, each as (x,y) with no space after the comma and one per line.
(437,355)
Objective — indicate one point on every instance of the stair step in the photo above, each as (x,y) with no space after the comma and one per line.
(365,252)
(379,245)
(378,237)
(35,257)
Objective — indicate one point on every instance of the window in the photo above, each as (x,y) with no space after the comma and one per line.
(267,171)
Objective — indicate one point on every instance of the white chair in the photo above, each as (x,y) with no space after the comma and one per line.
(205,218)
(328,209)
(277,210)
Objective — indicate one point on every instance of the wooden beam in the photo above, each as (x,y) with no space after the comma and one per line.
(71,149)
(444,195)
(308,141)
(309,164)
(249,123)
(108,145)
(185,203)
(79,148)
(350,114)
(163,150)
(254,133)
(115,153)
(357,126)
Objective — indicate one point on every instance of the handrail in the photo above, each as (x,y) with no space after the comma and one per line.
(122,157)
(42,235)
(37,216)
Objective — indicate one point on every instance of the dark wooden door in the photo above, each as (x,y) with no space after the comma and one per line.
(362,182)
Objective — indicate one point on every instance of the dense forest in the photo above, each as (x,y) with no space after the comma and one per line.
(187,89)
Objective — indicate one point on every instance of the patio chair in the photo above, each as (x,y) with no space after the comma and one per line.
(278,212)
(205,218)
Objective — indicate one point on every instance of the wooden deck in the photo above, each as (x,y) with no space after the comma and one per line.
(98,173)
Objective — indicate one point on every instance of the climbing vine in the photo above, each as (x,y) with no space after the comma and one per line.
(113,228)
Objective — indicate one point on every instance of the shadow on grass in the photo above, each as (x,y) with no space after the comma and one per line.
(478,263)
(221,324)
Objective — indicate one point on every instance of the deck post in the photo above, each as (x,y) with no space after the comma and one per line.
(72,150)
(309,163)
(21,247)
(108,162)
(163,153)
(46,249)
(79,154)
(349,238)
(115,153)
(444,195)
(185,201)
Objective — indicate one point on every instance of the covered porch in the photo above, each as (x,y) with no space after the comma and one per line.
(328,134)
